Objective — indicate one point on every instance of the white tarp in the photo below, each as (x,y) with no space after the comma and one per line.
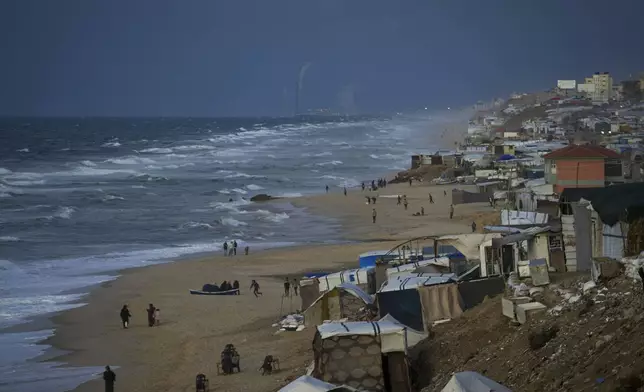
(355,276)
(394,336)
(522,218)
(467,244)
(472,382)
(351,289)
(412,282)
(307,384)
(440,261)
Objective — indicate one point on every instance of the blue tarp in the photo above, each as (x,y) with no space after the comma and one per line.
(506,157)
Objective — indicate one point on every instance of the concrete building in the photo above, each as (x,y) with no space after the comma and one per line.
(582,166)
(603,83)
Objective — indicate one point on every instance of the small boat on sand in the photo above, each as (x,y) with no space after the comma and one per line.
(226,292)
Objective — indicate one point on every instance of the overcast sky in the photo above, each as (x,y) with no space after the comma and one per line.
(241,57)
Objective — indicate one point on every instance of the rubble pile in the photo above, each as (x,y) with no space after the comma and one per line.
(290,322)
(589,338)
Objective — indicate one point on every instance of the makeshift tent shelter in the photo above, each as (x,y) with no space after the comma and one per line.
(343,301)
(419,301)
(438,263)
(472,382)
(365,355)
(309,291)
(365,278)
(310,384)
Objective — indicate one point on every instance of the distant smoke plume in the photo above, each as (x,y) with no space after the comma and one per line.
(300,84)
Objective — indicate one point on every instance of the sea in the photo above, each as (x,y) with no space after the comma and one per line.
(82,198)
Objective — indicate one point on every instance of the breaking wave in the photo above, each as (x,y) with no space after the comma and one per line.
(228,221)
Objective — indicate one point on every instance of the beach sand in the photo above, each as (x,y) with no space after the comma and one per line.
(194,329)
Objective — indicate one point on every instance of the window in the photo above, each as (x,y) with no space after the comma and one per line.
(553,167)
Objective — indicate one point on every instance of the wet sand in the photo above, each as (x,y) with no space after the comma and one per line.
(194,329)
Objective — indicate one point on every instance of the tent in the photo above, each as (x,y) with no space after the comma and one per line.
(472,382)
(365,355)
(310,384)
(340,302)
(418,301)
(364,278)
(439,263)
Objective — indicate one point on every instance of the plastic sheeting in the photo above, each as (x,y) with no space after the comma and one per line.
(473,382)
(441,262)
(522,218)
(354,276)
(412,282)
(468,244)
(394,336)
(310,384)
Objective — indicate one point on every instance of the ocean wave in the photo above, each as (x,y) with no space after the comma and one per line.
(197,147)
(24,182)
(229,205)
(330,163)
(228,221)
(196,225)
(5,171)
(321,154)
(114,142)
(23,150)
(233,174)
(273,217)
(62,213)
(289,195)
(148,178)
(383,156)
(254,187)
(224,191)
(130,160)
(169,167)
(88,163)
(240,191)
(9,238)
(112,197)
(157,151)
(331,177)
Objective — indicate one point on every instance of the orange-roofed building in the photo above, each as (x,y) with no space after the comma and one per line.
(582,166)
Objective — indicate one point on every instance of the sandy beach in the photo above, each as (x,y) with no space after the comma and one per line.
(194,329)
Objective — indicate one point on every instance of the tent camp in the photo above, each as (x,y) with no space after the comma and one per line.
(365,355)
(310,384)
(343,301)
(419,301)
(361,277)
(472,382)
(438,264)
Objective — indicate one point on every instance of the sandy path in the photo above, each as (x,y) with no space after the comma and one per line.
(195,329)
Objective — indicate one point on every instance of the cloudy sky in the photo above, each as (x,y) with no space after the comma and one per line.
(241,57)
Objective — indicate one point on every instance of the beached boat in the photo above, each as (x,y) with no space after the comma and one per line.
(227,292)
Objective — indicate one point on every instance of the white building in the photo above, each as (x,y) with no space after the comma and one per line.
(603,87)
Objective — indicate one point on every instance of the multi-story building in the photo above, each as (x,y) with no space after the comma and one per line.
(603,89)
(582,166)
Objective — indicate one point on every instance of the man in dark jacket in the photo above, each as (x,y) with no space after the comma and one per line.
(109,377)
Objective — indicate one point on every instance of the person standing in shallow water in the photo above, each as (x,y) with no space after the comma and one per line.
(287,287)
(327,189)
(235,247)
(125,316)
(345,191)
(225,248)
(109,377)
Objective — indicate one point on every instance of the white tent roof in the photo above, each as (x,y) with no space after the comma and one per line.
(351,289)
(472,382)
(412,282)
(440,261)
(394,336)
(307,384)
(467,244)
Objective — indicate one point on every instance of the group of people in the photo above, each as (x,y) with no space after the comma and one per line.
(375,184)
(403,200)
(154,316)
(288,286)
(226,285)
(230,249)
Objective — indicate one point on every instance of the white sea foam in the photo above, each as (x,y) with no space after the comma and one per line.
(228,221)
(331,177)
(64,212)
(289,195)
(198,147)
(5,171)
(24,182)
(157,151)
(112,197)
(330,163)
(196,225)
(383,156)
(240,191)
(130,160)
(8,238)
(23,150)
(224,191)
(112,143)
(254,187)
(272,217)
(88,163)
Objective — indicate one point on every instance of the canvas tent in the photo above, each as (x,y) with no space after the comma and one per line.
(365,355)
(472,382)
(310,384)
(340,302)
(419,301)
(361,277)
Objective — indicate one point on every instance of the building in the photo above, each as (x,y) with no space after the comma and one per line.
(582,166)
(586,88)
(631,90)
(603,83)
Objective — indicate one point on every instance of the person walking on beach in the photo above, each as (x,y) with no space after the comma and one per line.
(473,227)
(246,250)
(327,189)
(374,215)
(410,180)
(287,287)
(125,316)
(296,285)
(109,377)
(405,204)
(235,247)
(255,287)
(363,186)
(345,190)
(151,312)
(399,200)
(230,249)
(422,211)
(445,193)
(451,211)
(431,199)
(225,248)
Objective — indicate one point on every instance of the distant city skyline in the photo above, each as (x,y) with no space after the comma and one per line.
(214,59)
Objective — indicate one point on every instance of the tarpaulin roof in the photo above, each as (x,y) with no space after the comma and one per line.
(518,237)
(472,382)
(310,384)
(624,201)
(349,288)
(468,244)
(411,282)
